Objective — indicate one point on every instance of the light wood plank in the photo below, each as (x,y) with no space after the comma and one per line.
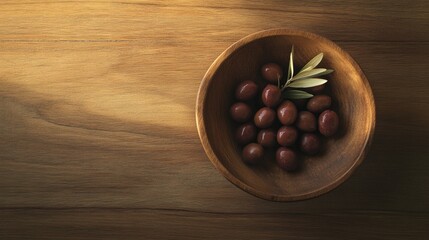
(120,132)
(220,20)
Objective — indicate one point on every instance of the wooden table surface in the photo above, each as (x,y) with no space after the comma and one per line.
(97,121)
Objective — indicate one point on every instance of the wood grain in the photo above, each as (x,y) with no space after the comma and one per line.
(97,106)
(171,224)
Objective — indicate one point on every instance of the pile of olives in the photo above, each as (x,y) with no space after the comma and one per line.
(268,122)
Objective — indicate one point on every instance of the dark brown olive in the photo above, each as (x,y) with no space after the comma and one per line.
(287,112)
(267,137)
(319,103)
(310,143)
(317,89)
(240,112)
(253,153)
(245,133)
(306,121)
(264,117)
(271,95)
(272,72)
(286,159)
(286,136)
(328,123)
(246,90)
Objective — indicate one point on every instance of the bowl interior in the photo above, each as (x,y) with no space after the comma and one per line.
(353,102)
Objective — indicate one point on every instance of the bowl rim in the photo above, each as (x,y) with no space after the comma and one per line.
(201,127)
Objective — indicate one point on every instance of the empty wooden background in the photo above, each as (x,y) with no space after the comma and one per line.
(97,126)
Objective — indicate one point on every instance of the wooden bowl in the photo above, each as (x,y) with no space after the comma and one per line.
(350,91)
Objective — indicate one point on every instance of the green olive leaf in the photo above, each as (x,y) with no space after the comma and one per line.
(313,63)
(309,73)
(296,94)
(328,71)
(290,69)
(307,82)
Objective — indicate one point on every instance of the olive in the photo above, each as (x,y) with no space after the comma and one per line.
(245,133)
(306,121)
(286,159)
(240,112)
(246,90)
(272,72)
(310,143)
(267,137)
(271,95)
(264,117)
(286,136)
(253,153)
(287,112)
(319,103)
(328,123)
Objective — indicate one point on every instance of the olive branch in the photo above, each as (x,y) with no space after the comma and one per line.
(307,77)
